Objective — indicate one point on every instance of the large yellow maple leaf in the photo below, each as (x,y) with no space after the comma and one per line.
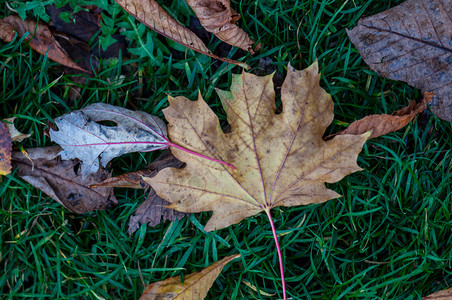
(280,159)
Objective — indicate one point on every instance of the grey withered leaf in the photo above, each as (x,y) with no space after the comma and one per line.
(61,179)
(82,137)
(412,42)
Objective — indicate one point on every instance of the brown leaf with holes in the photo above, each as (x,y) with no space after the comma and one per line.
(5,150)
(39,38)
(383,124)
(151,14)
(412,42)
(194,286)
(441,295)
(280,159)
(217,17)
(61,179)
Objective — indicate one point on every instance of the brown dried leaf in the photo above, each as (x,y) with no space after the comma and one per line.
(153,211)
(280,159)
(60,180)
(195,286)
(16,135)
(412,42)
(383,124)
(151,14)
(217,17)
(39,38)
(5,150)
(441,295)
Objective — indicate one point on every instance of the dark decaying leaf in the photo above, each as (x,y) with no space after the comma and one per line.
(151,14)
(5,150)
(383,124)
(153,211)
(412,42)
(81,136)
(217,17)
(61,180)
(85,27)
(39,38)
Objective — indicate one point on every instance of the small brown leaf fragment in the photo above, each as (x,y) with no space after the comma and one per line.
(383,124)
(16,135)
(441,295)
(412,42)
(61,180)
(280,159)
(195,286)
(5,150)
(153,211)
(151,14)
(39,38)
(217,17)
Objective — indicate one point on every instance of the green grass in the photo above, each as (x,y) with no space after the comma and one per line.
(388,237)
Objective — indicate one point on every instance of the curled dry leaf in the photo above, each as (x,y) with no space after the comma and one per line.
(195,285)
(39,38)
(82,137)
(217,17)
(16,135)
(412,42)
(134,179)
(380,125)
(61,180)
(5,150)
(441,295)
(151,14)
(280,159)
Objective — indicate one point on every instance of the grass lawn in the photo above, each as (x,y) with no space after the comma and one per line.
(388,237)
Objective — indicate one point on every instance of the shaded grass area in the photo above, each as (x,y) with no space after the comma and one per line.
(388,237)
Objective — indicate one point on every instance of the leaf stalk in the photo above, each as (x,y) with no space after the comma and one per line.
(278,249)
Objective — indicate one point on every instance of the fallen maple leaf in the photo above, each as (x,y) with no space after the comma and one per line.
(151,14)
(5,150)
(194,286)
(383,124)
(441,295)
(16,135)
(82,137)
(61,181)
(280,159)
(217,17)
(412,42)
(40,39)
